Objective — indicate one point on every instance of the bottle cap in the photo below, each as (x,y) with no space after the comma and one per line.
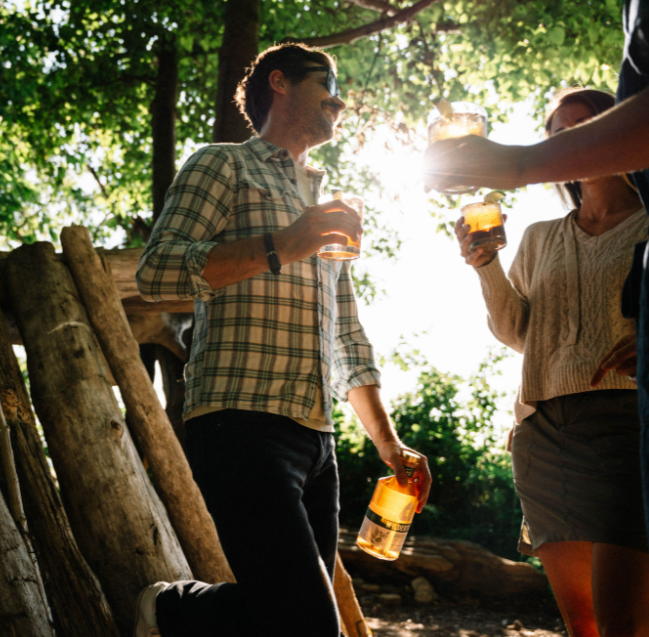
(409,459)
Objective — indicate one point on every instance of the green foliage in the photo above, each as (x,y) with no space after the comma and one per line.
(451,421)
(78,77)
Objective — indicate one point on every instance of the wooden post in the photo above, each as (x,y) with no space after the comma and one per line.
(167,463)
(23,612)
(117,518)
(77,601)
(351,616)
(14,499)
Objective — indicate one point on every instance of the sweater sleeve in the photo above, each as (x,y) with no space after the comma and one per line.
(506,299)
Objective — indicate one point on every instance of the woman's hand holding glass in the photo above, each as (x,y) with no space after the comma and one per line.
(479,256)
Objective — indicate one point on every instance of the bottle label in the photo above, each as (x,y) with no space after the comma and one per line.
(383,534)
(387,524)
(410,471)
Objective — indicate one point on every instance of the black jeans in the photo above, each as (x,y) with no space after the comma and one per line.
(271,486)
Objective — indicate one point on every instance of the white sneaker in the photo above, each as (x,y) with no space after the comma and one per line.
(146,623)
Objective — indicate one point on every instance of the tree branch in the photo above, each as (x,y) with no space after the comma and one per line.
(377,5)
(350,36)
(448,27)
(93,172)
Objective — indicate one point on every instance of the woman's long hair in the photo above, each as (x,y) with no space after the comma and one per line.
(598,102)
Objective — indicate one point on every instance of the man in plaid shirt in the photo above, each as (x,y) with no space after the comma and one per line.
(238,234)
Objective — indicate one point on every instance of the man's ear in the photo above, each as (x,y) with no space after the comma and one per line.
(278,81)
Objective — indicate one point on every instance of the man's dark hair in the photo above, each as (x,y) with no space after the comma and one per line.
(254,94)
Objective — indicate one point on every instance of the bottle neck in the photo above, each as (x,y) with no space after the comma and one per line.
(410,472)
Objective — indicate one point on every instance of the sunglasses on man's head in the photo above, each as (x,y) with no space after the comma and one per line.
(331,82)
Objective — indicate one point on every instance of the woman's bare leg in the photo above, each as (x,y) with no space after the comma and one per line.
(568,567)
(620,590)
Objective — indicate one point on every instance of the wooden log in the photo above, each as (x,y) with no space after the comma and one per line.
(74,593)
(117,518)
(352,619)
(167,461)
(8,466)
(123,264)
(23,611)
(137,305)
(14,497)
(161,329)
(469,567)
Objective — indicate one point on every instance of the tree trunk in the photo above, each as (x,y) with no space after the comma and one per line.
(78,603)
(351,616)
(117,518)
(239,48)
(23,612)
(167,462)
(163,124)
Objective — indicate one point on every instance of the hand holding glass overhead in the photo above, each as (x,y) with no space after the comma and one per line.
(452,121)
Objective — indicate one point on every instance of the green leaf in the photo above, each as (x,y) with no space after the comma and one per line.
(557,36)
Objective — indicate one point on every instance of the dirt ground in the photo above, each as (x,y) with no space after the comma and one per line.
(467,618)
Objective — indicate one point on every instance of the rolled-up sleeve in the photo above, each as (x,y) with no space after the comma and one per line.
(353,363)
(196,209)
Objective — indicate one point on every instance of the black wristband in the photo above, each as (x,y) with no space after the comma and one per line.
(271,254)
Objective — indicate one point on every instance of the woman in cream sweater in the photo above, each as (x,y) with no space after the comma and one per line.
(575,450)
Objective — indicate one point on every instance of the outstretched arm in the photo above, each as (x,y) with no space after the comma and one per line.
(616,141)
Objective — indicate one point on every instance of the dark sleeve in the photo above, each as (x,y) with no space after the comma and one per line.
(637,30)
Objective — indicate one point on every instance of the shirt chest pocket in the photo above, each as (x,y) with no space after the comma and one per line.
(267,207)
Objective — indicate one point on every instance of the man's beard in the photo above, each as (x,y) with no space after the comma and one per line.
(318,128)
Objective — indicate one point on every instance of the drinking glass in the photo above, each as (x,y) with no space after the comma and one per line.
(466,119)
(487,229)
(339,251)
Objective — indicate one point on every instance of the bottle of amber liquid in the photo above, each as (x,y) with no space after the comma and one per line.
(390,514)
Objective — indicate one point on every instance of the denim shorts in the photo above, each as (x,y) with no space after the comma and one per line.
(576,467)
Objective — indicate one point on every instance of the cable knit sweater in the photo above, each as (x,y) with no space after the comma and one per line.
(560,306)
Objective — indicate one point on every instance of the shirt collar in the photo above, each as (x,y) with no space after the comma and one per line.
(264,151)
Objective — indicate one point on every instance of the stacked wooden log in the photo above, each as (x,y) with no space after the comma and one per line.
(468,567)
(109,532)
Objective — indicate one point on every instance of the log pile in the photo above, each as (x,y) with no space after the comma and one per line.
(76,550)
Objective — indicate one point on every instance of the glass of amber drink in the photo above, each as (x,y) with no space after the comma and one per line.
(341,251)
(464,119)
(486,227)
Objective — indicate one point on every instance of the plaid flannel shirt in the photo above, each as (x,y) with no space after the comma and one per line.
(266,343)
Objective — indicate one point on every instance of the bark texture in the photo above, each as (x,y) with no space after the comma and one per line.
(77,601)
(117,518)
(239,48)
(166,460)
(23,612)
(352,619)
